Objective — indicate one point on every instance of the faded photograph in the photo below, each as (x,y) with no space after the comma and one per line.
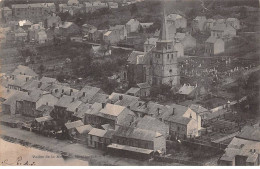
(129,82)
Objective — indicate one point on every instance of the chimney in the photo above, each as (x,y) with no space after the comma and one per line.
(47,103)
(56,90)
(120,97)
(173,111)
(13,77)
(128,107)
(71,90)
(190,116)
(73,99)
(40,84)
(26,79)
(76,109)
(62,91)
(140,104)
(84,94)
(103,105)
(158,110)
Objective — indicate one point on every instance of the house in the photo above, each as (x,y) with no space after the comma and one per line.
(115,34)
(186,39)
(149,44)
(87,93)
(44,110)
(100,51)
(96,138)
(214,46)
(35,11)
(34,30)
(89,31)
(122,99)
(223,30)
(13,104)
(35,99)
(209,24)
(71,127)
(24,70)
(187,91)
(244,149)
(25,24)
(41,37)
(144,89)
(234,22)
(133,91)
(139,138)
(132,26)
(16,82)
(41,123)
(177,20)
(20,35)
(69,29)
(82,133)
(119,30)
(178,48)
(136,72)
(52,21)
(91,115)
(112,5)
(60,109)
(6,13)
(153,124)
(96,5)
(114,115)
(198,23)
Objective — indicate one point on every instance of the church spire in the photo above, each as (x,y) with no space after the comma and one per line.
(164,33)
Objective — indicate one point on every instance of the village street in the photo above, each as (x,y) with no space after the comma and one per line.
(94,156)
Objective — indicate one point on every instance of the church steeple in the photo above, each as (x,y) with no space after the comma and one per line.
(164,33)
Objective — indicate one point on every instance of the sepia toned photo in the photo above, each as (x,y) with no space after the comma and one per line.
(129,83)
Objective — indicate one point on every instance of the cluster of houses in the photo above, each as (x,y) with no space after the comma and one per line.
(118,122)
(244,149)
(221,30)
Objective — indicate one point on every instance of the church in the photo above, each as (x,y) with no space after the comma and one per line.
(160,63)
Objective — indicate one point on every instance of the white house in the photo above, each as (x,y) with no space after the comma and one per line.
(214,45)
(132,25)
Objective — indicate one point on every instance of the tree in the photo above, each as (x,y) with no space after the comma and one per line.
(41,68)
(133,9)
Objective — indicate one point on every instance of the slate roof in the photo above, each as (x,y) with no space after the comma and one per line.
(64,101)
(136,133)
(90,93)
(186,89)
(24,70)
(84,129)
(116,27)
(113,110)
(97,132)
(18,96)
(133,90)
(74,124)
(19,80)
(94,108)
(131,21)
(45,109)
(43,119)
(66,25)
(126,99)
(82,109)
(100,98)
(151,123)
(179,120)
(222,27)
(35,95)
(48,80)
(250,133)
(211,39)
(74,105)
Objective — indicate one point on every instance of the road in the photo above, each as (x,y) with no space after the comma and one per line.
(93,156)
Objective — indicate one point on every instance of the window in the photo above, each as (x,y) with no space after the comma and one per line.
(168,56)
(170,70)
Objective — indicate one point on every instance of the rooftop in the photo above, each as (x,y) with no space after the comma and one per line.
(74,124)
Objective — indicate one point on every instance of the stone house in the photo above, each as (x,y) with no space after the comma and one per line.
(177,20)
(214,46)
(132,26)
(82,133)
(34,30)
(36,99)
(186,39)
(70,128)
(198,23)
(234,22)
(223,31)
(140,138)
(100,139)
